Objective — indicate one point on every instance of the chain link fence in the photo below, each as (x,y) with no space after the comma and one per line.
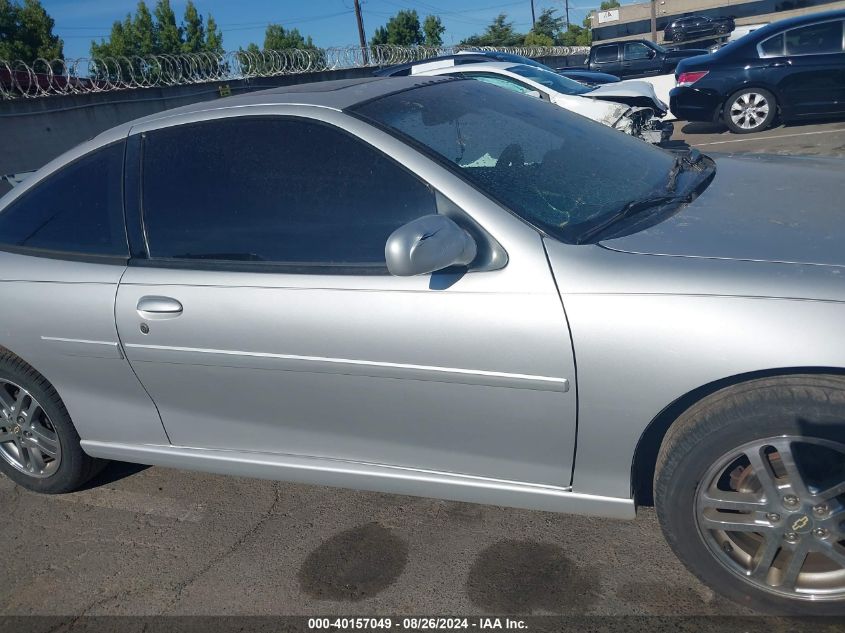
(44,77)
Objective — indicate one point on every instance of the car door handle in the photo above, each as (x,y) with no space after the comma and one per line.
(778,64)
(152,307)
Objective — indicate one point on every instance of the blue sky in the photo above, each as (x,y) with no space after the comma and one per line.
(329,22)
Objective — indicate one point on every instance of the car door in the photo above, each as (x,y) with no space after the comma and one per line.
(698,26)
(638,60)
(606,59)
(706,26)
(264,320)
(811,72)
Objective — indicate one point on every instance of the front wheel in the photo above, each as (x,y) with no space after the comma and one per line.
(750,493)
(750,110)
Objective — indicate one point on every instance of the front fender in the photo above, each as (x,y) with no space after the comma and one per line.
(649,329)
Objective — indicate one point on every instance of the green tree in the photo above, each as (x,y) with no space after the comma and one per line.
(146,34)
(607,5)
(121,41)
(433,30)
(194,30)
(213,36)
(168,35)
(403,29)
(548,24)
(143,30)
(379,36)
(538,39)
(26,32)
(277,38)
(575,36)
(500,32)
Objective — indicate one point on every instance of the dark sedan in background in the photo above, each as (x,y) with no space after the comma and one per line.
(791,69)
(695,26)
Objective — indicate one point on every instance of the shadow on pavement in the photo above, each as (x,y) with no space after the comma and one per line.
(700,127)
(115,471)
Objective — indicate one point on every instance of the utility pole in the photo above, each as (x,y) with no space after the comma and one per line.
(567,15)
(653,21)
(533,19)
(363,38)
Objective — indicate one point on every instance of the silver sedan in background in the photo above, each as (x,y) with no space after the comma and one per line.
(437,287)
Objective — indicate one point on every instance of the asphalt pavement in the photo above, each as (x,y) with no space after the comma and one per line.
(150,541)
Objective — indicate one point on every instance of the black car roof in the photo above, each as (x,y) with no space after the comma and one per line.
(788,23)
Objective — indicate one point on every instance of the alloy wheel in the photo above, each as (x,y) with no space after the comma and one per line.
(749,110)
(28,440)
(773,512)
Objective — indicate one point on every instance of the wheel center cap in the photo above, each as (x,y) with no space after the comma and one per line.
(799,523)
(16,429)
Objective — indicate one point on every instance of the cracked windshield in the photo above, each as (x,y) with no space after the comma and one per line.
(558,171)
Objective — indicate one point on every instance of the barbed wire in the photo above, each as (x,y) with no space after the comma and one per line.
(87,75)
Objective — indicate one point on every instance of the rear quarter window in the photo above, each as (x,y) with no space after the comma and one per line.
(77,209)
(606,53)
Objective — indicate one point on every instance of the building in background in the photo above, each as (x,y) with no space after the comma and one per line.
(633,21)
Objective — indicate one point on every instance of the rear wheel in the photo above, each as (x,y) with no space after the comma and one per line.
(750,110)
(750,492)
(39,446)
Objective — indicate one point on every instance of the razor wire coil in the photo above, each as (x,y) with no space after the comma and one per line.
(87,75)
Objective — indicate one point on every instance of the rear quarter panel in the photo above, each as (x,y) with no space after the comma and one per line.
(58,316)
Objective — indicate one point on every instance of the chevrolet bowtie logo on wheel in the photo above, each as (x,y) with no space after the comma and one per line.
(800,523)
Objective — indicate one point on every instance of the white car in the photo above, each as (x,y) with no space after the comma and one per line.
(629,106)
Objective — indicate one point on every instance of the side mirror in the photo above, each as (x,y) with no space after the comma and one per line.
(426,245)
(651,53)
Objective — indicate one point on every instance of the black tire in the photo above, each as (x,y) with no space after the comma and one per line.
(75,467)
(806,405)
(761,123)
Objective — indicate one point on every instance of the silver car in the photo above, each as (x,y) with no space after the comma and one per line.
(437,287)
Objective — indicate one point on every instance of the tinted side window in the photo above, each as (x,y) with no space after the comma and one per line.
(772,47)
(606,53)
(273,190)
(78,209)
(814,39)
(636,51)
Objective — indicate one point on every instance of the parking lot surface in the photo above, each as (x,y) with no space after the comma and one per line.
(809,139)
(149,541)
